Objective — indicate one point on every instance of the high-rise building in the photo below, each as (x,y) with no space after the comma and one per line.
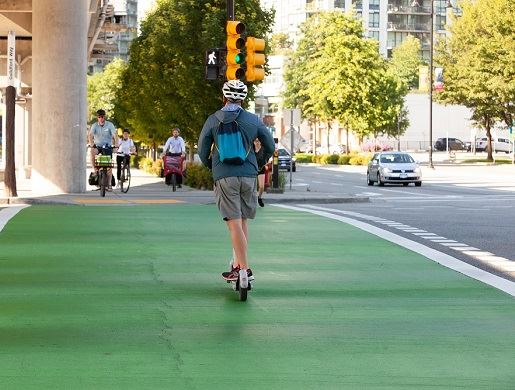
(117,27)
(388,21)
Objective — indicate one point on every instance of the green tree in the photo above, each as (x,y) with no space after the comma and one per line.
(479,63)
(280,43)
(164,84)
(103,88)
(405,61)
(335,74)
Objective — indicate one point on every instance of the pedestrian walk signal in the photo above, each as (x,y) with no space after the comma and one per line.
(235,57)
(255,60)
(212,62)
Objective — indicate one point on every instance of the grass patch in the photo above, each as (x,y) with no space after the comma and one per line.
(484,160)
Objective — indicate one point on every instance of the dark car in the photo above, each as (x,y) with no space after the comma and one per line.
(454,144)
(284,160)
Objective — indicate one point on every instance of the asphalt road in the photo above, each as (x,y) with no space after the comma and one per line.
(472,205)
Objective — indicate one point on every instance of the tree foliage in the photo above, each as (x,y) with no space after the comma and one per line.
(164,84)
(280,43)
(103,88)
(479,62)
(336,74)
(405,61)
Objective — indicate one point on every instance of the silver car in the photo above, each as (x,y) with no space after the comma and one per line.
(393,167)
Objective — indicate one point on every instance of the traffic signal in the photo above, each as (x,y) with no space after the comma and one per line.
(235,57)
(213,62)
(255,61)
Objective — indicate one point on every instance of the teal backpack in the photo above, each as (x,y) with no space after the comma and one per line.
(230,144)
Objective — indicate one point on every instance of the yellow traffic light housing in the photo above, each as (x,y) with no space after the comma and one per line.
(235,42)
(255,61)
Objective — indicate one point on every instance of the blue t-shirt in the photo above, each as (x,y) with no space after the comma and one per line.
(103,135)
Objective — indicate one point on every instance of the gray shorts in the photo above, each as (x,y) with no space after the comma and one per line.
(236,197)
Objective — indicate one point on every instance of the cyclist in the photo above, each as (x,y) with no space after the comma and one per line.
(101,136)
(235,185)
(173,147)
(126,147)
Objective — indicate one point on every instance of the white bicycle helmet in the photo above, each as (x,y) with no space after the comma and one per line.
(234,90)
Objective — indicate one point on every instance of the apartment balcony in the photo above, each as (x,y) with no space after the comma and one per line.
(409,27)
(408,10)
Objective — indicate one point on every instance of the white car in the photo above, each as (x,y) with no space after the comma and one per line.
(498,145)
(393,167)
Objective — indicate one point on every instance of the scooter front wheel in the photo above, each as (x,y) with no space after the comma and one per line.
(243,284)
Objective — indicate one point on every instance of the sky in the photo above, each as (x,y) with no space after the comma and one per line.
(143,7)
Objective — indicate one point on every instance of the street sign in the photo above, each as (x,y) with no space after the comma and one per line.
(294,113)
(290,139)
(11,58)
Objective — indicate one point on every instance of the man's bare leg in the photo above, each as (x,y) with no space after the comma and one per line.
(238,232)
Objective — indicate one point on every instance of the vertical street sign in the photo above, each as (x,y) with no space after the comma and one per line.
(11,58)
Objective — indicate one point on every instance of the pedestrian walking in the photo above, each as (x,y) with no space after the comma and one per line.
(226,147)
(262,167)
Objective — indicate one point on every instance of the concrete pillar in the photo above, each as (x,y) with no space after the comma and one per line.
(59,95)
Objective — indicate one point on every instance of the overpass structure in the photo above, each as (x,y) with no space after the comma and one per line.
(54,40)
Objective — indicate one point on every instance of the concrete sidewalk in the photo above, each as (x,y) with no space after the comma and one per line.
(148,189)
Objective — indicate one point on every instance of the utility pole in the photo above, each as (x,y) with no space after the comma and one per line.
(431,86)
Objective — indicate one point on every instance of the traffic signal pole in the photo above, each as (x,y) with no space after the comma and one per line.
(230,9)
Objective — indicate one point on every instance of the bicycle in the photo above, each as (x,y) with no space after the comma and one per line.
(172,169)
(103,162)
(125,174)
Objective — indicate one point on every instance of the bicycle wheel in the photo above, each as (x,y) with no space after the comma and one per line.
(173,181)
(102,182)
(125,180)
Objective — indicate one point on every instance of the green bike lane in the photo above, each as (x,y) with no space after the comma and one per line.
(131,297)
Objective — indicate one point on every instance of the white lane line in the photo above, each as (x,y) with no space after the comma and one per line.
(424,234)
(432,254)
(453,244)
(8,213)
(336,184)
(442,240)
(464,248)
(404,192)
(370,194)
(503,188)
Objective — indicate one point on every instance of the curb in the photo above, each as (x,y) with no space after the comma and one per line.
(325,200)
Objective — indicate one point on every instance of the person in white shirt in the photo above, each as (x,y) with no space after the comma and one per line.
(125,149)
(175,144)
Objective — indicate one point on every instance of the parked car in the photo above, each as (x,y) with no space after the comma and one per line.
(454,144)
(284,160)
(393,167)
(498,145)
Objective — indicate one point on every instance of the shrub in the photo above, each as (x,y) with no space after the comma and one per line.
(304,158)
(156,167)
(198,176)
(145,164)
(360,160)
(332,158)
(344,159)
(135,161)
(323,159)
